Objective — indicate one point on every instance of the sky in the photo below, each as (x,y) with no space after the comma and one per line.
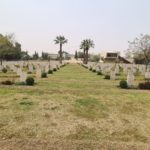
(109,23)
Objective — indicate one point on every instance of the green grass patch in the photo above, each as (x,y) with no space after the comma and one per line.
(90,108)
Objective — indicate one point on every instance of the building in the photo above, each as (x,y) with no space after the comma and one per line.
(114,57)
(53,56)
(65,55)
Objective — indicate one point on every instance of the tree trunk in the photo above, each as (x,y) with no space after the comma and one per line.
(86,60)
(146,64)
(60,52)
(1,61)
(84,56)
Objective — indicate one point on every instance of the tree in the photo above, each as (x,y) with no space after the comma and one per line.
(35,56)
(45,56)
(140,49)
(86,45)
(25,55)
(76,55)
(60,40)
(95,58)
(80,55)
(9,49)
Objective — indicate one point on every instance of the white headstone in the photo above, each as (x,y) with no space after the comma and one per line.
(23,77)
(30,68)
(38,72)
(147,75)
(112,75)
(130,78)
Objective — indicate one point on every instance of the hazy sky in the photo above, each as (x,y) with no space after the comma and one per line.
(110,23)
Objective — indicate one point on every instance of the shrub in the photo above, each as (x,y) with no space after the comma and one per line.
(123,84)
(17,66)
(99,73)
(50,71)
(44,75)
(144,85)
(90,68)
(54,69)
(118,74)
(30,81)
(107,77)
(7,82)
(147,79)
(63,65)
(94,70)
(29,72)
(84,66)
(4,70)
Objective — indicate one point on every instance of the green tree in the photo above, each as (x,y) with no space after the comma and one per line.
(80,55)
(95,58)
(76,55)
(60,40)
(45,56)
(35,56)
(86,45)
(9,49)
(25,55)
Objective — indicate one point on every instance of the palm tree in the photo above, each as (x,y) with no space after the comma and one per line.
(86,45)
(60,40)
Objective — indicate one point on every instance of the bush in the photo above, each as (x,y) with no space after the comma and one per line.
(90,68)
(30,81)
(4,70)
(118,74)
(50,71)
(144,85)
(63,65)
(107,77)
(17,66)
(54,69)
(44,75)
(29,72)
(99,73)
(123,84)
(94,70)
(84,66)
(7,82)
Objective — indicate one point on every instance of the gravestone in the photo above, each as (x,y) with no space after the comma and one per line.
(31,68)
(130,78)
(1,67)
(38,72)
(147,75)
(23,77)
(19,71)
(112,75)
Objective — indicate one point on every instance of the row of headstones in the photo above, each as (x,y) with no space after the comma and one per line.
(39,69)
(128,69)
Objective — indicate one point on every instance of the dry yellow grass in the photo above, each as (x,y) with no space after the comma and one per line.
(78,109)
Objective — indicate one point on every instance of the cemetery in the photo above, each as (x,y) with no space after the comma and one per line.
(74,102)
(74,75)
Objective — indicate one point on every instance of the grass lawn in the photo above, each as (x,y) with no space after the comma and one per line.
(75,107)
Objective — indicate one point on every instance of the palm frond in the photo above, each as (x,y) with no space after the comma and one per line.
(60,40)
